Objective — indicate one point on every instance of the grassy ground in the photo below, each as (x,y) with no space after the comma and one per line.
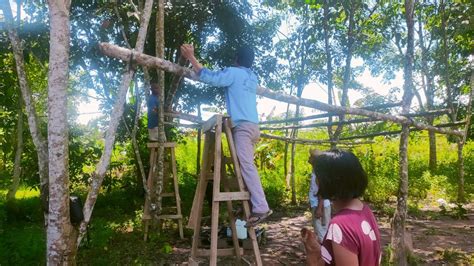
(115,235)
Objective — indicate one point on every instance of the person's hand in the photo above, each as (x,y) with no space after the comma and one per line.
(187,50)
(318,212)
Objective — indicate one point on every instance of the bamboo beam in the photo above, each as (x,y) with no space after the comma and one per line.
(395,132)
(149,61)
(311,141)
(325,124)
(187,117)
(298,119)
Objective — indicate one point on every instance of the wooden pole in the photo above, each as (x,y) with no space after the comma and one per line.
(150,61)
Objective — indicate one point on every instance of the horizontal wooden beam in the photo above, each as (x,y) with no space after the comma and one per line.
(395,132)
(228,196)
(209,124)
(311,141)
(150,61)
(187,117)
(325,124)
(318,116)
(220,252)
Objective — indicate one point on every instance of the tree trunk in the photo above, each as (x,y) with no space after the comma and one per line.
(19,150)
(285,153)
(429,94)
(59,249)
(329,70)
(400,250)
(103,164)
(294,135)
(33,122)
(462,141)
(445,59)
(347,72)
(174,87)
(160,52)
(149,61)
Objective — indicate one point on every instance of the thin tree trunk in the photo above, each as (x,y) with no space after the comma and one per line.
(400,250)
(347,71)
(60,248)
(146,60)
(429,94)
(329,74)
(103,164)
(19,150)
(294,135)
(174,87)
(33,122)
(462,141)
(285,154)
(445,59)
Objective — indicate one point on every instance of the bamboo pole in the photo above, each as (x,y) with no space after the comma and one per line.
(150,61)
(311,141)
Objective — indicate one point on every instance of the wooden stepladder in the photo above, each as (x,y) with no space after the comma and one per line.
(213,168)
(168,146)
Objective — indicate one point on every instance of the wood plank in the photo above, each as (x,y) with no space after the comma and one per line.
(170,216)
(210,123)
(220,252)
(228,196)
(167,194)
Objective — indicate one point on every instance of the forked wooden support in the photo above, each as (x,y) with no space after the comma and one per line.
(152,178)
(213,168)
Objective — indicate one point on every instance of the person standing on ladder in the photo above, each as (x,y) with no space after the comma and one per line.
(153,105)
(240,84)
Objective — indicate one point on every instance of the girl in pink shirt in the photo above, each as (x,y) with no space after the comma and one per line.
(353,236)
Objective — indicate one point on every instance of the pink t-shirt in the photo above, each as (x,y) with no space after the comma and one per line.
(356,231)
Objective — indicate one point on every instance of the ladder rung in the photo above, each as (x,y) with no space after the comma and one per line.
(157,144)
(227,196)
(220,252)
(170,216)
(167,194)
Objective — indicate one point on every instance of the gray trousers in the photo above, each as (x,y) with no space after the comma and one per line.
(246,135)
(318,226)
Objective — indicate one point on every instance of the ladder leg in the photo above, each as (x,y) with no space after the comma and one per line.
(196,211)
(146,208)
(176,192)
(205,166)
(230,210)
(216,191)
(238,174)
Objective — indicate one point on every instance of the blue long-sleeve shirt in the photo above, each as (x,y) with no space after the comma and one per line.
(153,104)
(240,94)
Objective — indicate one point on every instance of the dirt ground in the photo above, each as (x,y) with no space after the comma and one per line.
(436,239)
